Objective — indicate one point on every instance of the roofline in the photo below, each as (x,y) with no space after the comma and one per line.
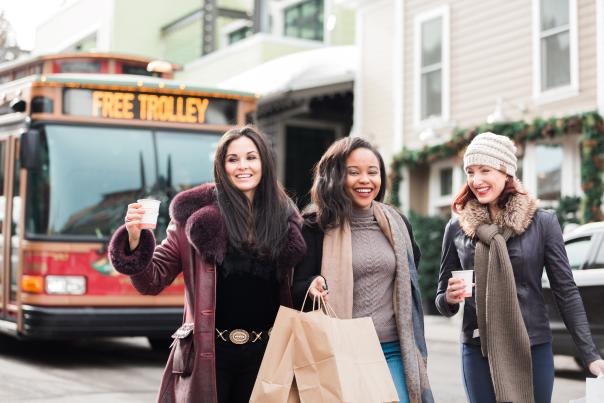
(121,82)
(80,55)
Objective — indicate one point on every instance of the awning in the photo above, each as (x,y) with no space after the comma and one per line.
(323,67)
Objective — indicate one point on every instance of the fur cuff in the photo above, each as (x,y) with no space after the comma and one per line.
(125,261)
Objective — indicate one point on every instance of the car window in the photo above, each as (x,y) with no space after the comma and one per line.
(598,262)
(577,249)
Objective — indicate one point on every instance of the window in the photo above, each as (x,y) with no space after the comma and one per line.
(599,261)
(136,70)
(239,34)
(2,179)
(80,66)
(576,250)
(549,171)
(304,20)
(446,181)
(431,68)
(431,54)
(93,192)
(555,45)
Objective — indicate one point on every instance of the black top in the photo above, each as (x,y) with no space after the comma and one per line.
(247,292)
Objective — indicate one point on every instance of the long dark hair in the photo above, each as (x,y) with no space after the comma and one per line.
(259,226)
(465,194)
(330,204)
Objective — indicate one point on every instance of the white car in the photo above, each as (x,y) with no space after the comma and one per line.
(585,250)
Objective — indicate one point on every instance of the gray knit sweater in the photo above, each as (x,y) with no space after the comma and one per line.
(373,266)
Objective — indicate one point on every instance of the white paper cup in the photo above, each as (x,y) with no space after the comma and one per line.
(151,207)
(467,276)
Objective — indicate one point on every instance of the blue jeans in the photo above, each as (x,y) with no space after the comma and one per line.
(392,352)
(477,375)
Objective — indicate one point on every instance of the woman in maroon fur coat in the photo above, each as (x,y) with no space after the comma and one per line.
(236,242)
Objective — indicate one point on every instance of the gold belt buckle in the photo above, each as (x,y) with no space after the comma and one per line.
(239,336)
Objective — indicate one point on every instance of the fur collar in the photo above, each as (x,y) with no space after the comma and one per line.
(197,210)
(517,215)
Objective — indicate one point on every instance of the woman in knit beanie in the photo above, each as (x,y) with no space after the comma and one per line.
(366,250)
(503,236)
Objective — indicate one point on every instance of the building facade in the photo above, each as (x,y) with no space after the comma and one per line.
(296,55)
(447,65)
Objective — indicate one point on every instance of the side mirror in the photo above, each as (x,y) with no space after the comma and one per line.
(30,149)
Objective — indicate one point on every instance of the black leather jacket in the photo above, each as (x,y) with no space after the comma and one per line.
(541,245)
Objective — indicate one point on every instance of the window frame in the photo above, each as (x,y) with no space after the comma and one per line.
(600,53)
(288,5)
(588,253)
(541,96)
(571,167)
(227,30)
(436,200)
(434,121)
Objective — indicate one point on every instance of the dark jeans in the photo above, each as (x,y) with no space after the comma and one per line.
(477,376)
(236,370)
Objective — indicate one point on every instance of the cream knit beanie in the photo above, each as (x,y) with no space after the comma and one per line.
(492,150)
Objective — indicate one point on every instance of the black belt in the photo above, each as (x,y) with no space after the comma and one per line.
(241,336)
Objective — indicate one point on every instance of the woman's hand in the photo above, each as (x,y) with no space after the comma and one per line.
(133,219)
(455,291)
(596,367)
(318,288)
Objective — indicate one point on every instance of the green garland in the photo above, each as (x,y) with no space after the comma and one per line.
(590,124)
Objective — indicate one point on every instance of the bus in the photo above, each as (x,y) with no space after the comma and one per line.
(75,149)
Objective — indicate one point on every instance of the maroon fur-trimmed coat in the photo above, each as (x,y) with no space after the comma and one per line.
(197,225)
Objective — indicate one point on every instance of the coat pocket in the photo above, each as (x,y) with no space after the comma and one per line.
(184,350)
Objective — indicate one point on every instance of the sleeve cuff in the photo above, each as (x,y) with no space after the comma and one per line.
(444,308)
(130,262)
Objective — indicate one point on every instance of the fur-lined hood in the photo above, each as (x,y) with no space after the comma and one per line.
(197,210)
(517,214)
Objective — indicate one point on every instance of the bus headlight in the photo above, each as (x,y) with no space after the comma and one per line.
(72,285)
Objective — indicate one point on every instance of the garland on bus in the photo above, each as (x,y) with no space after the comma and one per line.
(590,124)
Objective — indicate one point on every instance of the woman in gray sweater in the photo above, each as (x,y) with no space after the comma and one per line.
(365,249)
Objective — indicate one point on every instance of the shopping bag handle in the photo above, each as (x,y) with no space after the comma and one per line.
(319,303)
(329,311)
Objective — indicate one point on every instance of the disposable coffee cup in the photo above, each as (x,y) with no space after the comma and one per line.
(467,276)
(151,207)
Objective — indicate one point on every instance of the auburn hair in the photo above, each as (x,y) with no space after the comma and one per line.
(465,194)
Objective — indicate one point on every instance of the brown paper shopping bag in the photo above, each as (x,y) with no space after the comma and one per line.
(340,360)
(275,380)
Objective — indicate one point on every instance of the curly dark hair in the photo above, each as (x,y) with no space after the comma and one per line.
(330,205)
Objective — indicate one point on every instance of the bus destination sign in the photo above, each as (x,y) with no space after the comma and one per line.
(149,107)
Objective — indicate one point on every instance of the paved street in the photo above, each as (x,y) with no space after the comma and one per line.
(444,366)
(127,371)
(108,371)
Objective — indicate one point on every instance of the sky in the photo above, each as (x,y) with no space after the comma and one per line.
(26,15)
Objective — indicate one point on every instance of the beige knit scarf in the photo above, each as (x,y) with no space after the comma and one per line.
(336,267)
(503,335)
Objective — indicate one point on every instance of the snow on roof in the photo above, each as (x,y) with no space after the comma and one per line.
(297,71)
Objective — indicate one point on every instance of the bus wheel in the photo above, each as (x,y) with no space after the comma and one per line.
(160,343)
